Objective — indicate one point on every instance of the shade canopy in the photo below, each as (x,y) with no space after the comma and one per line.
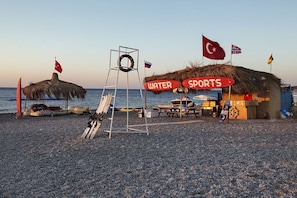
(54,88)
(246,80)
(204,97)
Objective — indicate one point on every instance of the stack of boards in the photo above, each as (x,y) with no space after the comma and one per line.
(95,119)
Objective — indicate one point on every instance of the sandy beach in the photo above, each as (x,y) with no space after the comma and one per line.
(189,157)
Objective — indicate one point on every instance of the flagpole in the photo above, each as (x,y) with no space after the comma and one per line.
(231,54)
(271,63)
(202,51)
(144,89)
(229,98)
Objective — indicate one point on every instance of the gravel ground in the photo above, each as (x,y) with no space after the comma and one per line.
(45,157)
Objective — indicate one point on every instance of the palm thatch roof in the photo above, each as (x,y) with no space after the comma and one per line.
(54,87)
(246,80)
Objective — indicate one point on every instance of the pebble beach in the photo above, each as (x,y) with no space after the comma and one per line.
(188,157)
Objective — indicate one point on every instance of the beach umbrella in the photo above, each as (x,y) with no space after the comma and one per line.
(54,88)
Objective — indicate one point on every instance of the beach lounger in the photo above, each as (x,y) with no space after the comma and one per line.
(95,119)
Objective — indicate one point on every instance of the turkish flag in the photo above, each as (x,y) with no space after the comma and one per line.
(212,49)
(58,67)
(248,96)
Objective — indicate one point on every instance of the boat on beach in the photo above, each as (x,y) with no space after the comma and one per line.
(184,100)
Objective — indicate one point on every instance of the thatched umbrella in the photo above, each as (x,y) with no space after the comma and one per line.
(54,88)
(246,80)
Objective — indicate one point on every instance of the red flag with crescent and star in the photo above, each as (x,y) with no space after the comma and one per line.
(212,49)
(58,67)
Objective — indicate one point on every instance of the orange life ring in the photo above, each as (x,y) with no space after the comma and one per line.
(131,63)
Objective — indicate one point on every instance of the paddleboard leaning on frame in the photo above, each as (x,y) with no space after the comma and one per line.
(225,111)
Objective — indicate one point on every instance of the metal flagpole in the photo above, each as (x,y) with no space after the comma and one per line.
(229,98)
(202,51)
(144,89)
(231,54)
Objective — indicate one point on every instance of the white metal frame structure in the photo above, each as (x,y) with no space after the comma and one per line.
(112,83)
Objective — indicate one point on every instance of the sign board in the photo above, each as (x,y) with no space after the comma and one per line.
(208,82)
(161,85)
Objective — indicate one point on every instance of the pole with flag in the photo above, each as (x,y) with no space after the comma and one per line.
(235,50)
(269,62)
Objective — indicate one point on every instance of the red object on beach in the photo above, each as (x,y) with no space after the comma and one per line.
(19,99)
(161,85)
(208,82)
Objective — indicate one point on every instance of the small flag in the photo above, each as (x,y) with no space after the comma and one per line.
(58,67)
(270,59)
(147,64)
(235,49)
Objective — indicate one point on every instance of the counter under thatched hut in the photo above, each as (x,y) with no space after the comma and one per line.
(254,94)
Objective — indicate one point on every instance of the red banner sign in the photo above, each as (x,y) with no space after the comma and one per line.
(208,82)
(161,85)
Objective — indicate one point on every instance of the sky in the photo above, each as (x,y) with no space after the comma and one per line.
(167,33)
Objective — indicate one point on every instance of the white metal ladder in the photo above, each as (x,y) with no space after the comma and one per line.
(111,84)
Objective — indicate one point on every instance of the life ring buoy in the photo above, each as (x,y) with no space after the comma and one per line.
(131,63)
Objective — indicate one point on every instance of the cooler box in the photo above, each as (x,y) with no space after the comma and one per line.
(150,113)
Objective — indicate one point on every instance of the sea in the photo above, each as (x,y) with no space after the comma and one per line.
(130,98)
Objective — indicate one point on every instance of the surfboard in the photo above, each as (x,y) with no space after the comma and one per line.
(225,111)
(19,98)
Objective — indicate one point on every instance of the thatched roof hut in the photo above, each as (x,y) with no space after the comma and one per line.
(246,80)
(54,87)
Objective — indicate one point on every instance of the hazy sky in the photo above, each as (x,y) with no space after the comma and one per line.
(168,33)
